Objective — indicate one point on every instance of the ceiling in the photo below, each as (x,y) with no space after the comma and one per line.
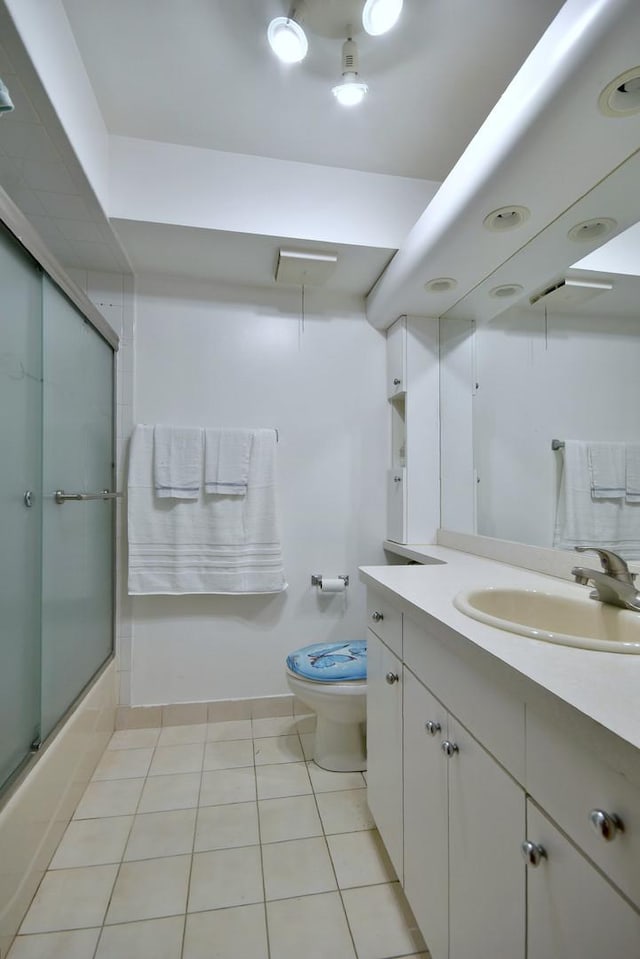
(200,73)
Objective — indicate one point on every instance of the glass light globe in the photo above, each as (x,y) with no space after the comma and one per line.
(351,92)
(379,16)
(287,39)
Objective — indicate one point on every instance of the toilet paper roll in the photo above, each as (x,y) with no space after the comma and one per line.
(335,585)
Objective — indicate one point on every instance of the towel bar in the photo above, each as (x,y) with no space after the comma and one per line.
(61,497)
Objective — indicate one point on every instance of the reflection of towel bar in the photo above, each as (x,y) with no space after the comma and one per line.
(62,497)
(557,444)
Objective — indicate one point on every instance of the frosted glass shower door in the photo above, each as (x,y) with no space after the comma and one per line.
(20,474)
(77,587)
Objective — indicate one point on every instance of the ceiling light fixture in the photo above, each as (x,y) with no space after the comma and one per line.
(287,39)
(352,90)
(6,103)
(379,16)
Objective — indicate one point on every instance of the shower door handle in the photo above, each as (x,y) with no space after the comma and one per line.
(61,497)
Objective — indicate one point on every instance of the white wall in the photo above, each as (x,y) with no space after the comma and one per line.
(236,357)
(578,381)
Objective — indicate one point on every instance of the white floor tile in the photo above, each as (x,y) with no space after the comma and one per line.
(283,779)
(277,726)
(223,827)
(324,781)
(118,797)
(236,933)
(174,760)
(182,735)
(170,792)
(313,927)
(76,944)
(278,749)
(228,755)
(157,938)
(228,786)
(92,842)
(360,859)
(381,922)
(226,877)
(123,764)
(134,738)
(157,834)
(294,817)
(344,811)
(300,867)
(231,729)
(70,899)
(150,889)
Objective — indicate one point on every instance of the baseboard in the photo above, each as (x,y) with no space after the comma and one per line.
(180,714)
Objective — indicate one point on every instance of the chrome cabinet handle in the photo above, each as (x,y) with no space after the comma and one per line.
(397,381)
(449,748)
(61,497)
(377,617)
(432,728)
(392,678)
(607,825)
(533,853)
(397,479)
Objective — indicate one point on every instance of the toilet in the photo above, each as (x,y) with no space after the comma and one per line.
(331,679)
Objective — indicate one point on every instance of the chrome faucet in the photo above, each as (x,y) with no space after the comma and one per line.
(614,584)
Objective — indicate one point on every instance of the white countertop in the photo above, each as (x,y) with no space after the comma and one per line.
(603,686)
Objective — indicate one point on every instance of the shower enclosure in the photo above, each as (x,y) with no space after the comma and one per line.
(56,496)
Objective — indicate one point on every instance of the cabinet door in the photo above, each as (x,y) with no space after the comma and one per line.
(486,869)
(426,815)
(396,357)
(572,911)
(397,505)
(384,745)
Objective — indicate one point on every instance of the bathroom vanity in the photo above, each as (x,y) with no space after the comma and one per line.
(504,772)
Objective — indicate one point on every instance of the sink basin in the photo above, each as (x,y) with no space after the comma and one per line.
(554,617)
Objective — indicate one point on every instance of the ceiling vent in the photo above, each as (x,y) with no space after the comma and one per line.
(305,267)
(570,292)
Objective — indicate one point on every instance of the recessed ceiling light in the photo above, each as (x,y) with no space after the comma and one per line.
(287,39)
(506,218)
(506,290)
(379,16)
(440,284)
(592,229)
(621,97)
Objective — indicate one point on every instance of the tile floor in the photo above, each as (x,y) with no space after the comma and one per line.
(219,841)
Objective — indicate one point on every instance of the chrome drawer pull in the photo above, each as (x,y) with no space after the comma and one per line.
(449,749)
(392,678)
(532,853)
(607,825)
(432,728)
(377,617)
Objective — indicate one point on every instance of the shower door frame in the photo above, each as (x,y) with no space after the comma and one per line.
(27,237)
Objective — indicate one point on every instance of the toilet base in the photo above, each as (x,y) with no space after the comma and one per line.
(340,747)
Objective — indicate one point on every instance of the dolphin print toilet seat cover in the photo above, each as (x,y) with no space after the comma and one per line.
(330,662)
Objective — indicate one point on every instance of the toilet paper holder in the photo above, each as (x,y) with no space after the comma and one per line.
(316,579)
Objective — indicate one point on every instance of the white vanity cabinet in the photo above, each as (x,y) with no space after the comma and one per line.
(464,818)
(384,725)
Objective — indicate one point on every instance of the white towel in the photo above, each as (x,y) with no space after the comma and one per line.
(607,470)
(632,473)
(221,544)
(582,520)
(177,461)
(226,461)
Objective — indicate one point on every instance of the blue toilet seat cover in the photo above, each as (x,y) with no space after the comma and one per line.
(330,662)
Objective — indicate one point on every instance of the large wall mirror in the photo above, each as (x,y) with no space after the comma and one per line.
(514,378)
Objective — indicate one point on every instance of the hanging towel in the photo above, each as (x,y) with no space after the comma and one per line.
(177,461)
(582,520)
(226,461)
(607,470)
(632,473)
(221,544)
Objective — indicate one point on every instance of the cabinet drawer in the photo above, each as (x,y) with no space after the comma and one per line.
(574,767)
(385,621)
(475,687)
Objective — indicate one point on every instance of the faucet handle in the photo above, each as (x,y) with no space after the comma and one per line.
(612,564)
